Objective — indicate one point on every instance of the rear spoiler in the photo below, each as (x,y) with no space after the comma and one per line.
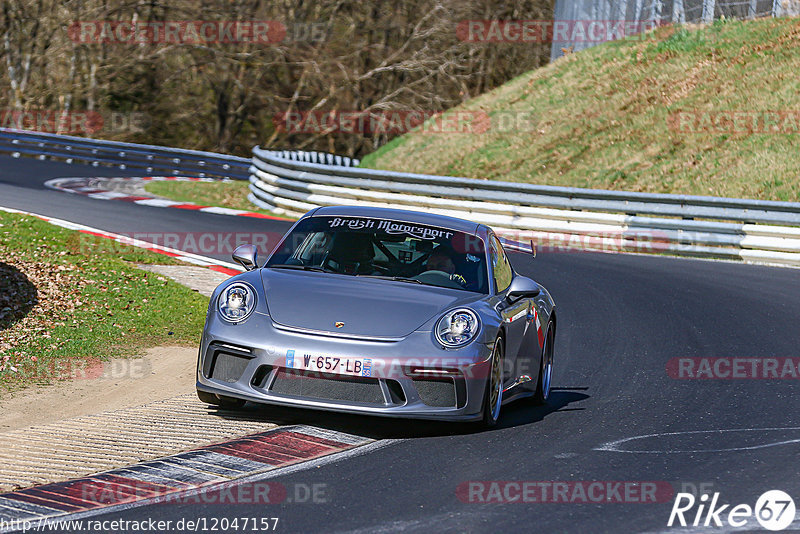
(516,246)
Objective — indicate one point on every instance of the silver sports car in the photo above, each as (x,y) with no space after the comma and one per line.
(383,312)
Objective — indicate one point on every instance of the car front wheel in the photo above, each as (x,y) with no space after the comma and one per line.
(493,398)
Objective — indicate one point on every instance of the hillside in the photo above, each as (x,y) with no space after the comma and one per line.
(705,110)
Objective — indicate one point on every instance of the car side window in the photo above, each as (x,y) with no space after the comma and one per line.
(314,248)
(500,266)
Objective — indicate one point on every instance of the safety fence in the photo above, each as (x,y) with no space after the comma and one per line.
(623,17)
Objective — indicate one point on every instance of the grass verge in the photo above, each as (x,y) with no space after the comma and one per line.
(655,113)
(72,300)
(232,194)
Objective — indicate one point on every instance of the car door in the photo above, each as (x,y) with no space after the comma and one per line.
(514,314)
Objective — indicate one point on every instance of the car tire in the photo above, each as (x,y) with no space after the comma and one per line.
(544,383)
(219,400)
(493,396)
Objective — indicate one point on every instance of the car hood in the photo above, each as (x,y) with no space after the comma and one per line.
(368,307)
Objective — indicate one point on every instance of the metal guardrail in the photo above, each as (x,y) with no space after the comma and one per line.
(174,161)
(96,152)
(553,217)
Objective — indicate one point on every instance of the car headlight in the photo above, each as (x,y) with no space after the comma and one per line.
(236,302)
(457,328)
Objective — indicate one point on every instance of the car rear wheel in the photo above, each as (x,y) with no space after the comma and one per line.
(546,368)
(219,400)
(493,398)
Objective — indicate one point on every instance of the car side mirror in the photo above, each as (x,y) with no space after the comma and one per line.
(522,287)
(246,256)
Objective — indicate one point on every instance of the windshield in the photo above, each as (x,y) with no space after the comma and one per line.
(381,248)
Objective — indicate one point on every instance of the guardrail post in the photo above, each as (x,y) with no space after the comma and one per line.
(708,10)
(657,8)
(637,16)
(619,16)
(678,12)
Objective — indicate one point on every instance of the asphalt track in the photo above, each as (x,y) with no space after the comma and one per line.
(621,319)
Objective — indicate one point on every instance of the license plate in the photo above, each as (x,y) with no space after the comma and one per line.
(329,364)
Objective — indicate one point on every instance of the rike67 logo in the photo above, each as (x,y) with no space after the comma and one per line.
(774,510)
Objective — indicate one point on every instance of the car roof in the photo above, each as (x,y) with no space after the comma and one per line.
(430,219)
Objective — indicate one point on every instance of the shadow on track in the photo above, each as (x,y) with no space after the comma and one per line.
(518,413)
(524,412)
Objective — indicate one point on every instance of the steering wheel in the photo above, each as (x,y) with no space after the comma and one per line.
(437,273)
(457,281)
(382,268)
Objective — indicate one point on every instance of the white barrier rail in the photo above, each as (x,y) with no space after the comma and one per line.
(553,217)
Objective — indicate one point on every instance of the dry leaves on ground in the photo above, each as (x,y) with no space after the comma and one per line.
(35,297)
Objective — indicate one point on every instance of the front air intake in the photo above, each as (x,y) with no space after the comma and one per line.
(225,362)
(298,383)
(436,392)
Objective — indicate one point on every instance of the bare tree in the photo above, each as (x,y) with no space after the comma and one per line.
(336,55)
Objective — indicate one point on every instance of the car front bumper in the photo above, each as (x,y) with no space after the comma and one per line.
(411,377)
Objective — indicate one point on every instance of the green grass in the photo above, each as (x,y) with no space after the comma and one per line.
(232,194)
(602,118)
(104,306)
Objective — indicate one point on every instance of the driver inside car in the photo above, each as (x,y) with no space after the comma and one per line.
(440,260)
(440,263)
